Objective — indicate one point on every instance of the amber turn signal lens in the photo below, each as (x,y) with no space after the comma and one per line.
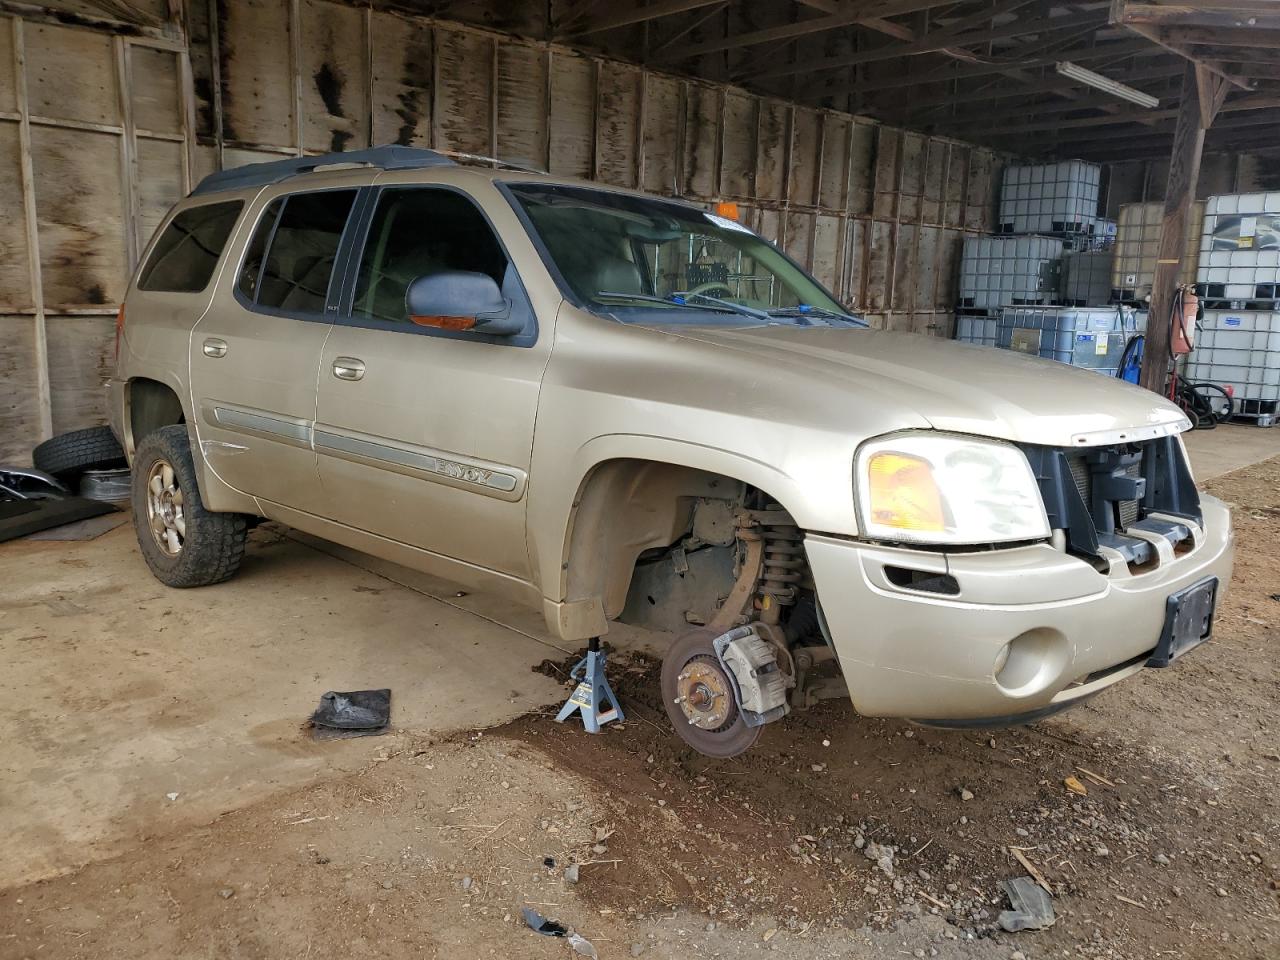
(444,323)
(904,494)
(727,209)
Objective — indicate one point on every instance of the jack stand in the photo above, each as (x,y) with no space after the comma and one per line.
(592,691)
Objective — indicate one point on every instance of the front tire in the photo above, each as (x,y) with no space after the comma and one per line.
(184,544)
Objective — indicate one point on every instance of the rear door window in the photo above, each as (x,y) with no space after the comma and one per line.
(188,250)
(290,261)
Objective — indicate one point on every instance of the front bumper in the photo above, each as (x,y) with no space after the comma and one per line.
(906,652)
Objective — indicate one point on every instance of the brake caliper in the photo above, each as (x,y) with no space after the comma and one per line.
(759,686)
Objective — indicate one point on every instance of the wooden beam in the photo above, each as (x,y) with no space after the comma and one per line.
(1154,35)
(44,399)
(801,28)
(637,14)
(1255,102)
(1117,49)
(1180,193)
(1211,92)
(694,24)
(1245,14)
(1004,92)
(958,34)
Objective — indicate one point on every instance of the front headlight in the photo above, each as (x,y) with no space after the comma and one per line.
(939,488)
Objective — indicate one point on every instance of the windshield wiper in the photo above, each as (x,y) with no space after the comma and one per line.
(665,301)
(805,312)
(702,298)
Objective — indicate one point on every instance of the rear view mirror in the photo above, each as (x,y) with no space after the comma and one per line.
(461,300)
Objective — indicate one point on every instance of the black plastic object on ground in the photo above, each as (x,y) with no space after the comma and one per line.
(1032,908)
(540,924)
(359,713)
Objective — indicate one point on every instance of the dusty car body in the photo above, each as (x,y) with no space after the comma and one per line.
(628,408)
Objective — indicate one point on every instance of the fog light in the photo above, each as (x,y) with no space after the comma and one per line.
(1031,661)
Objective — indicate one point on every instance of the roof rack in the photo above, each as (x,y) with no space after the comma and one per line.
(262,174)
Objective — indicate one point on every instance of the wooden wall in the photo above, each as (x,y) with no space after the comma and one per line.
(117,120)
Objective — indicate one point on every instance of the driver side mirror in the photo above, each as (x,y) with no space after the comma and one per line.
(461,300)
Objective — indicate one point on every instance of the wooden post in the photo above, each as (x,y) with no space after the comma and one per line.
(1202,96)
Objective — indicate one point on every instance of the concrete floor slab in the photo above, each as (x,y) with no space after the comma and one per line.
(1229,447)
(120,692)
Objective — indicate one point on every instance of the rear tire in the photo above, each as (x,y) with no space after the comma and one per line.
(69,455)
(184,544)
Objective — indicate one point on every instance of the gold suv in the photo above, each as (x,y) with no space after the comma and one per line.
(618,407)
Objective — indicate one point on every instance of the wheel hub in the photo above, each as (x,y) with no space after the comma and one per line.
(165,514)
(704,694)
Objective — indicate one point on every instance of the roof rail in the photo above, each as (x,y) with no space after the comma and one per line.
(262,174)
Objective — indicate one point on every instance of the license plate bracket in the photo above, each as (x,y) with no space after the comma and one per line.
(1188,621)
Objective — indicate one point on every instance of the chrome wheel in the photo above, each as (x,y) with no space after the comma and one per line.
(165,514)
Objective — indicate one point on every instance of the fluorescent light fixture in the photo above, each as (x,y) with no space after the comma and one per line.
(1106,84)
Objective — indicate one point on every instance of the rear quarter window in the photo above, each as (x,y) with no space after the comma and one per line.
(188,250)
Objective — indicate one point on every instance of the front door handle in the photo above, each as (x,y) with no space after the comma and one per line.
(348,368)
(215,348)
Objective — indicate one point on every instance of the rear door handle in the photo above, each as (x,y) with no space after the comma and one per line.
(215,348)
(348,368)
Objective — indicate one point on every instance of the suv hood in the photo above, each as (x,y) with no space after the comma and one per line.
(960,387)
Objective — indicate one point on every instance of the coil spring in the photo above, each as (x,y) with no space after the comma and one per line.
(783,562)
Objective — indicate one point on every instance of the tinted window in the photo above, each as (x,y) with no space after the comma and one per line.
(300,243)
(417,232)
(187,252)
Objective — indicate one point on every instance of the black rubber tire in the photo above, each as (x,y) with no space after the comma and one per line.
(729,741)
(213,544)
(69,455)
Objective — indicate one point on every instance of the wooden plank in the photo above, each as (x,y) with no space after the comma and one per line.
(702,116)
(888,150)
(8,80)
(522,102)
(23,421)
(15,264)
(463,95)
(833,189)
(805,156)
(827,231)
(257,82)
(738,144)
(401,80)
(155,89)
(334,77)
(88,14)
(71,74)
(954,190)
(573,117)
(618,123)
(81,359)
(39,358)
(880,260)
(161,166)
(128,156)
(662,111)
(862,159)
(81,215)
(771,148)
(911,176)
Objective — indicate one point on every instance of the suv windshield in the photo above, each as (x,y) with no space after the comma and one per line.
(640,258)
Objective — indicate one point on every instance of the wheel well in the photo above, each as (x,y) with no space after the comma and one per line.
(151,405)
(626,507)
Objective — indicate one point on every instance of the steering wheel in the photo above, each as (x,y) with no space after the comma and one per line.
(706,288)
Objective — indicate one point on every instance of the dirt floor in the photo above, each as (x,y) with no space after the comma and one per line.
(835,837)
